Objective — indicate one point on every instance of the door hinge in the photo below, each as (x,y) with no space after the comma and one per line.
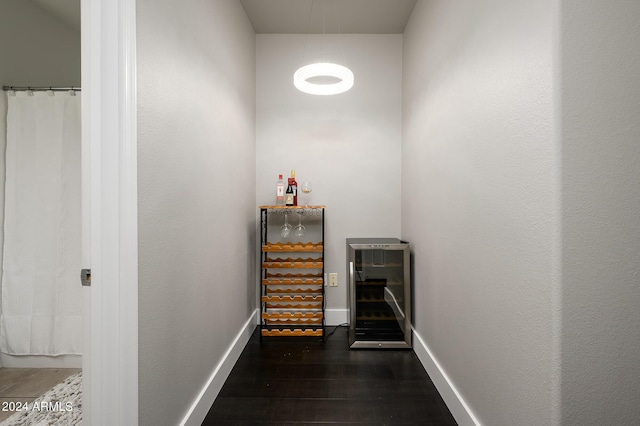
(85,277)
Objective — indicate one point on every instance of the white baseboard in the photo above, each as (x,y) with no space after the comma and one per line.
(336,316)
(40,361)
(208,394)
(458,407)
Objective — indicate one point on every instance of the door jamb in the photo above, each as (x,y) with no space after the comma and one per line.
(109,119)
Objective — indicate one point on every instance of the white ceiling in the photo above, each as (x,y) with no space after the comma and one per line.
(294,16)
(340,16)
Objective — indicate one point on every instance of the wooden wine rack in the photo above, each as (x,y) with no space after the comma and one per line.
(292,285)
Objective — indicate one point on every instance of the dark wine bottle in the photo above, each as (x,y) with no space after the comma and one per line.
(288,195)
(294,185)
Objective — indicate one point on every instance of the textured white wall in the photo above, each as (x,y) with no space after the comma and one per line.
(347,145)
(196,174)
(35,50)
(480,200)
(601,212)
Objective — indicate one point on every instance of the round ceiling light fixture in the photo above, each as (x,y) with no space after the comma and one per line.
(330,79)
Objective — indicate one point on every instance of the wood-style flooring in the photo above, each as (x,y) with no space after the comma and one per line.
(308,382)
(24,385)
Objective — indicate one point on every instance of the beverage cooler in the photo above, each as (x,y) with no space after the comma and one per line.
(378,270)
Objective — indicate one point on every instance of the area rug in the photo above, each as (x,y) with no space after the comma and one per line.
(60,406)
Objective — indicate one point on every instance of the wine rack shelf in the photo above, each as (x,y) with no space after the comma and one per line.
(292,285)
(295,332)
(306,290)
(290,263)
(279,316)
(292,281)
(293,247)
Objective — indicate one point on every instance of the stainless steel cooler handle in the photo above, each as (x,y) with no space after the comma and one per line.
(352,295)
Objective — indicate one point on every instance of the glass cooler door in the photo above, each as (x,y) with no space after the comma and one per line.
(380,308)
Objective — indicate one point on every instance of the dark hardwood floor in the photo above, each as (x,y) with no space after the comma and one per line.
(307,382)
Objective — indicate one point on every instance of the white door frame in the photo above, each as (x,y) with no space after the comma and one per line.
(109,133)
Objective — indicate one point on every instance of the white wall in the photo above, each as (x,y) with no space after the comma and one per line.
(480,200)
(347,145)
(196,174)
(601,212)
(35,50)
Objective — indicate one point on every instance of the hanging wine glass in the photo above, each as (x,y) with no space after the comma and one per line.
(306,189)
(298,231)
(285,229)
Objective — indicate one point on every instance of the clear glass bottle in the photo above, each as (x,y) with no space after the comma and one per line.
(280,191)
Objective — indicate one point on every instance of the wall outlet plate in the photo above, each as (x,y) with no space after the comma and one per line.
(333,279)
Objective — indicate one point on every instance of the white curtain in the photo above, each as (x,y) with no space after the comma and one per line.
(41,291)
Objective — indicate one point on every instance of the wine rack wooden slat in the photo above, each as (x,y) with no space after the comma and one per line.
(294,291)
(292,259)
(292,315)
(293,318)
(294,332)
(296,298)
(316,306)
(293,247)
(292,281)
(305,274)
(292,264)
(294,323)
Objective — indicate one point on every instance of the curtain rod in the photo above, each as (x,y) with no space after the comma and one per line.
(39,89)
